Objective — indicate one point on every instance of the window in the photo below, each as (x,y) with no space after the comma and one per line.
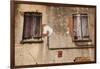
(80,25)
(32,26)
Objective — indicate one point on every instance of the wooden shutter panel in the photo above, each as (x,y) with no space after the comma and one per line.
(27,27)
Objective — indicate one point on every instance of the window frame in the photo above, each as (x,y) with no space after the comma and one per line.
(75,35)
(32,40)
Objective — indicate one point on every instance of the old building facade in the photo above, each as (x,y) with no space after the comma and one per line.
(72,39)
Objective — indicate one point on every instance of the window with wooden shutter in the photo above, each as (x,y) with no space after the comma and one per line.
(80,24)
(80,29)
(32,27)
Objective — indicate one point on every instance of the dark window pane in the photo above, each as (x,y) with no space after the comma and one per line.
(36,27)
(27,26)
(32,25)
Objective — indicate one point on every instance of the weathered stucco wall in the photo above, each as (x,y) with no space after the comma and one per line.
(58,18)
(26,54)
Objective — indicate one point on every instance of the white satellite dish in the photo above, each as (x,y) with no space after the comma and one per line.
(47,29)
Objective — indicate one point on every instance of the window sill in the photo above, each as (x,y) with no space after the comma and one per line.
(30,41)
(85,42)
(88,40)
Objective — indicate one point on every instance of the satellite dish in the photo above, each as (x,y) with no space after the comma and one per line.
(47,29)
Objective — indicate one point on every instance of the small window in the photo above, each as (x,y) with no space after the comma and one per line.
(32,27)
(80,26)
